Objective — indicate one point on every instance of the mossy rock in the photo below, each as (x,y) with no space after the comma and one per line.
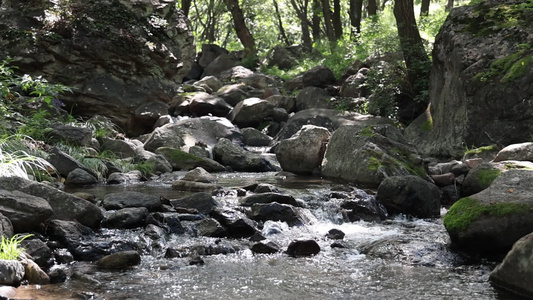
(181,160)
(492,220)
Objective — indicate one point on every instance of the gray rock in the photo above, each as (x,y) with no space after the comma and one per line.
(312,97)
(188,132)
(11,272)
(237,224)
(184,185)
(266,248)
(238,159)
(181,160)
(70,234)
(209,53)
(239,74)
(480,178)
(119,178)
(268,197)
(319,76)
(370,154)
(39,251)
(277,212)
(210,227)
(251,112)
(121,148)
(203,104)
(515,272)
(304,151)
(302,248)
(353,86)
(80,177)
(73,135)
(120,260)
(34,274)
(109,79)
(126,218)
(280,101)
(220,64)
(171,222)
(495,218)
(255,138)
(523,151)
(64,206)
(294,84)
(155,232)
(281,57)
(409,195)
(367,209)
(65,163)
(335,234)
(199,175)
(211,82)
(6,228)
(476,73)
(203,202)
(234,93)
(25,212)
(131,199)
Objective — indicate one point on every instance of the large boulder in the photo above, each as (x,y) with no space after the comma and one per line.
(516,270)
(522,151)
(131,199)
(6,227)
(239,159)
(482,73)
(203,104)
(64,206)
(189,132)
(313,97)
(181,160)
(368,155)
(409,195)
(495,218)
(319,76)
(134,53)
(251,112)
(481,176)
(303,152)
(11,272)
(26,212)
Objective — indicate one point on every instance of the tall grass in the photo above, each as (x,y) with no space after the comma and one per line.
(17,158)
(10,247)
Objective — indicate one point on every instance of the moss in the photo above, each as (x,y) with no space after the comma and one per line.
(367,132)
(486,176)
(374,163)
(481,150)
(467,210)
(518,69)
(427,125)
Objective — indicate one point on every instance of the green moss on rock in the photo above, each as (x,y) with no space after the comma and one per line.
(486,176)
(481,150)
(467,210)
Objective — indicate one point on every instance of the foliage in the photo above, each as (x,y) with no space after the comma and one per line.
(10,248)
(467,210)
(146,168)
(20,156)
(102,127)
(384,81)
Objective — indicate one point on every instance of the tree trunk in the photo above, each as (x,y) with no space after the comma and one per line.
(315,26)
(356,10)
(327,21)
(186,6)
(449,5)
(280,24)
(336,18)
(239,24)
(301,12)
(372,8)
(424,9)
(414,54)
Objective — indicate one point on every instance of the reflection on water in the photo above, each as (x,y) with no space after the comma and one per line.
(396,259)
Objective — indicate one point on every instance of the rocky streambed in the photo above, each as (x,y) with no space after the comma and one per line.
(395,258)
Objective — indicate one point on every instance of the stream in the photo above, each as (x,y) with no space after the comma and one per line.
(400,258)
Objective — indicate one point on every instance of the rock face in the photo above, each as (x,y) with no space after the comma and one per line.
(494,219)
(369,154)
(482,72)
(117,55)
(516,270)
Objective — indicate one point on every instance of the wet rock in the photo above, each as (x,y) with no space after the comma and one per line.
(410,195)
(94,250)
(277,212)
(6,228)
(444,179)
(303,152)
(450,194)
(335,234)
(515,272)
(184,185)
(266,248)
(11,272)
(172,253)
(255,138)
(523,151)
(39,252)
(80,177)
(256,237)
(63,256)
(237,224)
(268,197)
(64,206)
(319,76)
(168,221)
(196,260)
(25,212)
(68,233)
(266,188)
(203,202)
(34,274)
(181,160)
(120,260)
(65,163)
(155,232)
(126,218)
(251,112)
(57,275)
(238,159)
(368,210)
(303,248)
(495,218)
(210,227)
(273,227)
(126,199)
(199,175)
(120,178)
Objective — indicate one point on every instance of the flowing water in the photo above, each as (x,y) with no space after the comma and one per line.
(402,258)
